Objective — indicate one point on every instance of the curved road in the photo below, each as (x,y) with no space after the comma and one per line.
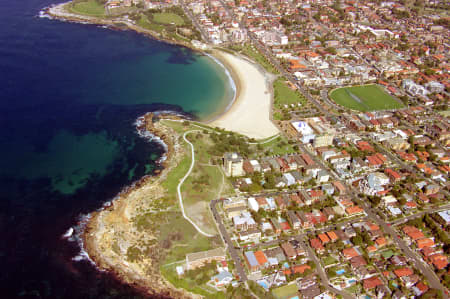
(180,197)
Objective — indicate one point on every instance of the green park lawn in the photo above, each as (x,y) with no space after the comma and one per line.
(145,23)
(284,95)
(168,18)
(278,146)
(286,291)
(89,7)
(365,98)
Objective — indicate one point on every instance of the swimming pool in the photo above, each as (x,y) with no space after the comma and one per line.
(264,284)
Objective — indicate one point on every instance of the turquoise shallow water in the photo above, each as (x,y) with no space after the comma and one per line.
(196,85)
(69,95)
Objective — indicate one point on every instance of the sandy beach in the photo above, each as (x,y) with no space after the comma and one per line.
(250,113)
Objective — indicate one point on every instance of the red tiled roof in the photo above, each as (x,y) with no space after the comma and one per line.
(301,268)
(316,244)
(332,235)
(372,282)
(439,261)
(285,225)
(425,242)
(403,272)
(260,257)
(324,238)
(381,241)
(354,210)
(350,252)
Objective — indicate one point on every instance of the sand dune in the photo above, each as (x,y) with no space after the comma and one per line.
(250,113)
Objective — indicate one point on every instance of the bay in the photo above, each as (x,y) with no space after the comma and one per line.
(69,95)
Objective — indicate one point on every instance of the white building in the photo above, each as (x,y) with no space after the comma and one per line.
(253,204)
(233,164)
(415,89)
(374,183)
(305,130)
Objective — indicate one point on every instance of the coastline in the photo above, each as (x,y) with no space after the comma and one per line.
(250,112)
(59,12)
(116,219)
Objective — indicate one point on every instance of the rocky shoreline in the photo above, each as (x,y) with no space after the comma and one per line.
(60,12)
(110,231)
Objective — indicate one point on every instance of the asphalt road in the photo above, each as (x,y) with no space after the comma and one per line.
(229,243)
(411,255)
(195,22)
(419,263)
(323,276)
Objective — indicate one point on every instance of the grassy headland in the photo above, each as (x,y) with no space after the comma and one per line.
(89,7)
(170,24)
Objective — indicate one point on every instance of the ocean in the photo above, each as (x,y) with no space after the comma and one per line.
(69,96)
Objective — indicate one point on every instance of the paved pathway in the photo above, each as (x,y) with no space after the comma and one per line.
(180,197)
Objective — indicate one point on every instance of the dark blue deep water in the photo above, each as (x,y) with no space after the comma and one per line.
(69,95)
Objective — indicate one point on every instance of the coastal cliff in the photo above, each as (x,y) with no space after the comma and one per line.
(114,237)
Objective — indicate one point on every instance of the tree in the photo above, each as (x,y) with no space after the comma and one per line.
(331,50)
(357,240)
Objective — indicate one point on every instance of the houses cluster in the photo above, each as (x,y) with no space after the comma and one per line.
(216,22)
(197,260)
(293,169)
(330,43)
(427,247)
(363,257)
(255,219)
(113,6)
(396,160)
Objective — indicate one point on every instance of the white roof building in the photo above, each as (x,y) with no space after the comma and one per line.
(289,179)
(253,204)
(445,215)
(377,179)
(244,219)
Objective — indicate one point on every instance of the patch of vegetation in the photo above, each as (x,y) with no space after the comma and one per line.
(168,18)
(179,237)
(191,284)
(285,291)
(259,290)
(229,142)
(354,289)
(284,95)
(144,222)
(445,113)
(174,177)
(144,22)
(279,146)
(88,7)
(250,51)
(134,254)
(329,260)
(365,98)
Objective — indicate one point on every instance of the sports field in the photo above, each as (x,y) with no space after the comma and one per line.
(365,98)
